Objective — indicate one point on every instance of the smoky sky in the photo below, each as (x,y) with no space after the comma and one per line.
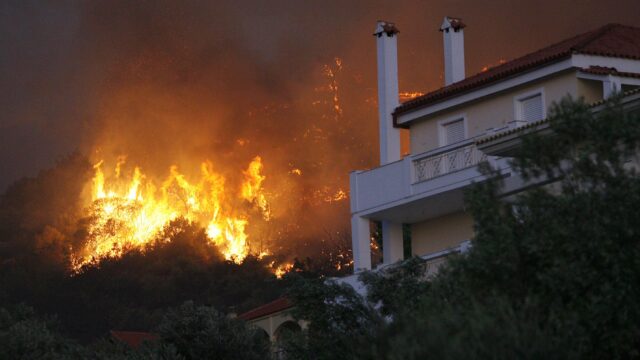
(182,81)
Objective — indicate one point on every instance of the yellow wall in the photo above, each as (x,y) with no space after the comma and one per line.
(270,323)
(494,111)
(591,90)
(441,233)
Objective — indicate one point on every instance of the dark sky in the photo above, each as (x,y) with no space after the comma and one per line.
(175,81)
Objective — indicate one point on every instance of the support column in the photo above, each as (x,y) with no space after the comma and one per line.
(611,86)
(392,245)
(360,242)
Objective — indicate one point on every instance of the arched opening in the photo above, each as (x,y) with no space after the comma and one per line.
(283,333)
(263,335)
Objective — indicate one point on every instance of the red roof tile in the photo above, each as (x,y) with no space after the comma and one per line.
(267,309)
(133,338)
(602,70)
(612,40)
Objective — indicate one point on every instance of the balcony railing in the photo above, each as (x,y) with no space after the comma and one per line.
(449,160)
(434,261)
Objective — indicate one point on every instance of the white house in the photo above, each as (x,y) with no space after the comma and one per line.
(467,121)
(453,129)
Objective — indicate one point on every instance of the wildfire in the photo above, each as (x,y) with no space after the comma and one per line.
(408,95)
(128,213)
(327,195)
(330,72)
(252,187)
(281,269)
(487,67)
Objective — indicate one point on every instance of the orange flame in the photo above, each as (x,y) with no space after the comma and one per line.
(280,270)
(129,213)
(408,95)
(252,187)
(487,67)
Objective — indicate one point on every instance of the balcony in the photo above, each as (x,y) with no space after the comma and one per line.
(431,263)
(396,191)
(428,166)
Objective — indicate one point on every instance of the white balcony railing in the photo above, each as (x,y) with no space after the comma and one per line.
(451,160)
(444,169)
(434,261)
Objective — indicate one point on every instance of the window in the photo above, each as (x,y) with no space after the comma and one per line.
(452,131)
(530,107)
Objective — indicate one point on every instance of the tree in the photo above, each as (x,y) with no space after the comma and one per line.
(553,272)
(200,332)
(114,350)
(25,336)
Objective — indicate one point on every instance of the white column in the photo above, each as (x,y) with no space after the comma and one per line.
(392,244)
(611,86)
(386,39)
(360,242)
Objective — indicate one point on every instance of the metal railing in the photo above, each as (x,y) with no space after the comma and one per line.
(433,165)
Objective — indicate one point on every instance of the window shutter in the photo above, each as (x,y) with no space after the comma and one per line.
(531,108)
(454,131)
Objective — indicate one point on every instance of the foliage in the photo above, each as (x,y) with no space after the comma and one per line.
(40,224)
(200,332)
(553,271)
(337,316)
(134,291)
(24,336)
(112,349)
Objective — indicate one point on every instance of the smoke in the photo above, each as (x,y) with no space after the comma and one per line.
(181,82)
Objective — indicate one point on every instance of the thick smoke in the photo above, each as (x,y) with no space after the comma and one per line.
(180,82)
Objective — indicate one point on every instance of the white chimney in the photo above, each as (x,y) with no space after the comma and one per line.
(453,34)
(386,38)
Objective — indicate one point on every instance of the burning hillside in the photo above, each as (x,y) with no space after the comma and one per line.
(192,107)
(127,210)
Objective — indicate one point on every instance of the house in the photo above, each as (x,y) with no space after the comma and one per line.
(451,131)
(468,121)
(274,320)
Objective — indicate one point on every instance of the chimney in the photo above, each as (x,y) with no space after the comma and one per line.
(453,34)
(386,38)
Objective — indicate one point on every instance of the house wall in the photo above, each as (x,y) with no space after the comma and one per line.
(591,90)
(441,233)
(495,111)
(272,322)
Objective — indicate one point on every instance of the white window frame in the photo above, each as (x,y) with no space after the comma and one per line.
(517,104)
(442,134)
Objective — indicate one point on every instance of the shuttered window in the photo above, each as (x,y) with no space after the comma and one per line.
(454,131)
(531,108)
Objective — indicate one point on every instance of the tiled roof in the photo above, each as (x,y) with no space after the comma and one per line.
(133,338)
(602,70)
(267,309)
(613,40)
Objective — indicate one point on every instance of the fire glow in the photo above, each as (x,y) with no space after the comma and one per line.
(129,211)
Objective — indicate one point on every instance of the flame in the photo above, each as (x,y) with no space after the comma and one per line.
(330,72)
(408,95)
(252,187)
(280,270)
(487,67)
(327,195)
(128,213)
